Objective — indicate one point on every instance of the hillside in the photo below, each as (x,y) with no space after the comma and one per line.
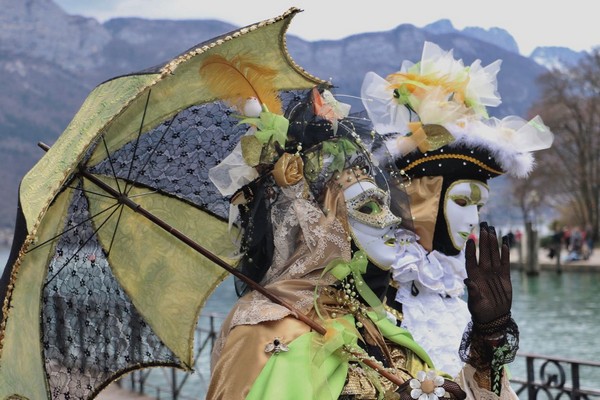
(51,60)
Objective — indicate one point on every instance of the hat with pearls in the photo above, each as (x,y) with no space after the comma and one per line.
(433,118)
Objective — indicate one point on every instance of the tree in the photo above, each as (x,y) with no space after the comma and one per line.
(570,106)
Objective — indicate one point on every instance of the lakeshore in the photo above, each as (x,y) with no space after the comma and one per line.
(592,264)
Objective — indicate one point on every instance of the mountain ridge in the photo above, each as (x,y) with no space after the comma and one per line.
(52,60)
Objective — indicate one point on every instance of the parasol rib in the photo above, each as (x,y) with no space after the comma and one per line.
(37,246)
(123,199)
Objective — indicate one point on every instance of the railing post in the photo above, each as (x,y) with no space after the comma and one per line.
(531,392)
(212,331)
(174,384)
(575,378)
(142,383)
(132,375)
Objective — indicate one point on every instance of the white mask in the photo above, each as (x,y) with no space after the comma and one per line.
(462,203)
(372,223)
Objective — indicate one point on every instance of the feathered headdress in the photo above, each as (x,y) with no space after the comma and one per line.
(305,150)
(308,129)
(439,105)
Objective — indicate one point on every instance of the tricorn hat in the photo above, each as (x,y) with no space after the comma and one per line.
(434,125)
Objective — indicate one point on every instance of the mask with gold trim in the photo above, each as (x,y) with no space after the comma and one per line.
(462,202)
(372,223)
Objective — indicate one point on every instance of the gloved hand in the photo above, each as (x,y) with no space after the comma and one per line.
(488,281)
(492,338)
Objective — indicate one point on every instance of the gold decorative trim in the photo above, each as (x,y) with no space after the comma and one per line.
(11,285)
(450,156)
(172,66)
(165,71)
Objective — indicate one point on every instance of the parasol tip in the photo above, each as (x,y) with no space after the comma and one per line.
(43,146)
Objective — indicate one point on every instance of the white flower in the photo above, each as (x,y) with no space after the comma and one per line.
(483,87)
(441,63)
(387,115)
(427,386)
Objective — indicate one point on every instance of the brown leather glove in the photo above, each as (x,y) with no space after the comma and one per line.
(488,282)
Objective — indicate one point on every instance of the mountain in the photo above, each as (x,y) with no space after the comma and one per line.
(496,36)
(50,61)
(556,57)
(547,57)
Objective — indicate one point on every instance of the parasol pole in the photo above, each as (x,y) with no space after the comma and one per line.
(123,199)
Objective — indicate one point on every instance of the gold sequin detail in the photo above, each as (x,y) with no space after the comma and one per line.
(450,156)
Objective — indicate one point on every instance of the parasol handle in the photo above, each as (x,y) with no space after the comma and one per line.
(123,199)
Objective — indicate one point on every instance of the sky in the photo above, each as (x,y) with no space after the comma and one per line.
(532,23)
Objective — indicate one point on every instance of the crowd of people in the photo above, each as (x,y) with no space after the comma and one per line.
(577,242)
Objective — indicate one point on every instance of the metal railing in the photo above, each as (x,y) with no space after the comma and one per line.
(556,378)
(546,378)
(171,383)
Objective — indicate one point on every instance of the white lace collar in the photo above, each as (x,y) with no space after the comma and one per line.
(434,271)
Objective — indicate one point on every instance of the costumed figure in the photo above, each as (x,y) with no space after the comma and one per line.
(434,120)
(318,232)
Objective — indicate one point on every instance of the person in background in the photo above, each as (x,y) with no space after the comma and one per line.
(576,243)
(564,239)
(556,242)
(511,238)
(434,120)
(518,236)
(589,237)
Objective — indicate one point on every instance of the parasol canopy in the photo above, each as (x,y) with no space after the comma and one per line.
(94,288)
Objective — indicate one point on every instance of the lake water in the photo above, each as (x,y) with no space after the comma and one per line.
(558,315)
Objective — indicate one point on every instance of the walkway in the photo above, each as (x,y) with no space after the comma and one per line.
(113,392)
(549,264)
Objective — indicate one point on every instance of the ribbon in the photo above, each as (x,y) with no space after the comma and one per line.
(356,267)
(269,126)
(340,332)
(417,84)
(398,335)
(419,136)
(339,149)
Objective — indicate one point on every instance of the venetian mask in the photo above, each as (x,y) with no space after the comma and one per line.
(462,202)
(372,223)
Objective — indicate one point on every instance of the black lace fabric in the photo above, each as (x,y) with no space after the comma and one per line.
(91,330)
(175,157)
(492,345)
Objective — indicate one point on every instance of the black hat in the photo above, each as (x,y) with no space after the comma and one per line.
(434,118)
(459,161)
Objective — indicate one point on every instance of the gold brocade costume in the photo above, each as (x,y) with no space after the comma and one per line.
(307,240)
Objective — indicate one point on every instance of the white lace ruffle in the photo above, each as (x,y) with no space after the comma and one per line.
(433,271)
(437,324)
(437,315)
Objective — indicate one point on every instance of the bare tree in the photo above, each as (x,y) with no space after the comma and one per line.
(530,196)
(570,106)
